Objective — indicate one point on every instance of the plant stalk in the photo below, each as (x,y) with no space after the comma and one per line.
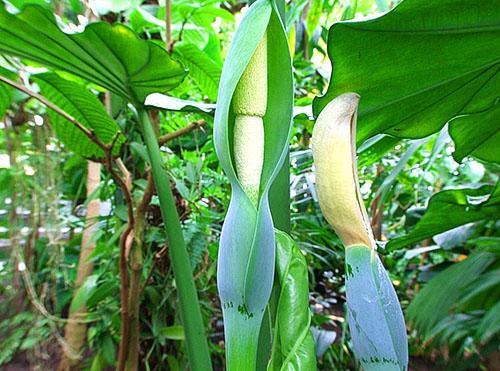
(197,347)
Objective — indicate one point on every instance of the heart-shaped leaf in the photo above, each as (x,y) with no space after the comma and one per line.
(111,56)
(419,66)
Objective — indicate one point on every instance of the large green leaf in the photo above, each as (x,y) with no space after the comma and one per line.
(418,66)
(450,209)
(247,245)
(84,106)
(111,56)
(293,344)
(375,318)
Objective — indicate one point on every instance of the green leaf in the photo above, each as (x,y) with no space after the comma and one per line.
(490,324)
(247,244)
(313,17)
(111,56)
(84,106)
(437,298)
(83,293)
(452,208)
(6,91)
(375,318)
(468,142)
(418,66)
(202,69)
(108,350)
(173,332)
(103,291)
(293,344)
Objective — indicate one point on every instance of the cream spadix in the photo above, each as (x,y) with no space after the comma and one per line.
(249,106)
(334,153)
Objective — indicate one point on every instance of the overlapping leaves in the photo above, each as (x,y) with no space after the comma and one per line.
(111,56)
(84,106)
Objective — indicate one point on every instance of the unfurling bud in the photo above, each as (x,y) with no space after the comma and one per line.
(334,153)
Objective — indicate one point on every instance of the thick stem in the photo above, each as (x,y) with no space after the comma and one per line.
(241,351)
(136,264)
(197,348)
(75,329)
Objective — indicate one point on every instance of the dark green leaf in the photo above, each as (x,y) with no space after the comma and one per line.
(490,324)
(419,66)
(437,298)
(111,56)
(452,208)
(470,140)
(83,293)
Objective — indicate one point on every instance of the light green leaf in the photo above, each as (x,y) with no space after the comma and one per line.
(6,91)
(313,16)
(375,318)
(293,344)
(111,56)
(418,66)
(452,208)
(84,106)
(173,332)
(202,69)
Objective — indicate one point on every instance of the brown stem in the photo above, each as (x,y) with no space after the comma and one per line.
(168,25)
(125,326)
(136,265)
(183,131)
